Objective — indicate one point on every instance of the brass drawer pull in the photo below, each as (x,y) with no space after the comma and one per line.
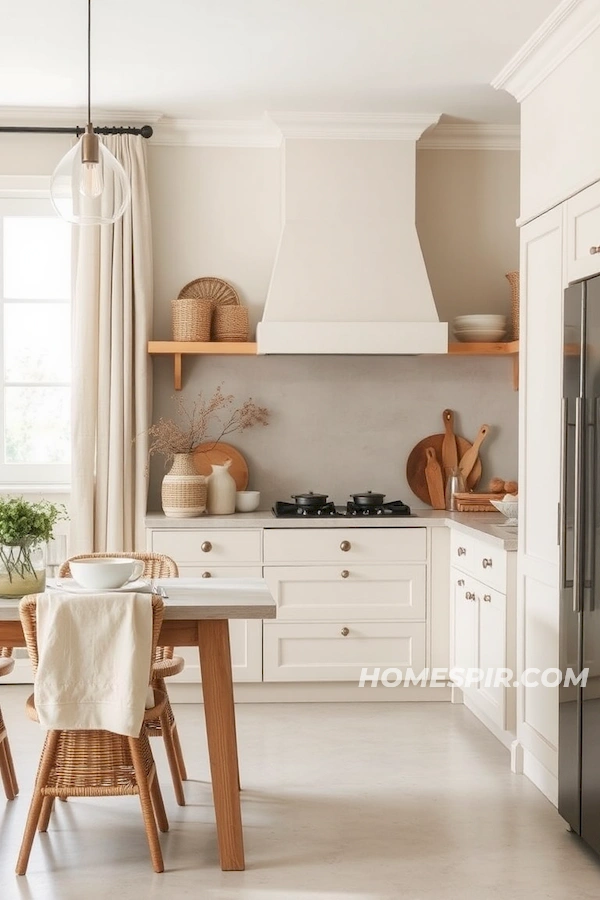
(345,631)
(469,595)
(486,563)
(487,598)
(206,546)
(461,582)
(345,546)
(206,575)
(344,573)
(594,250)
(462,551)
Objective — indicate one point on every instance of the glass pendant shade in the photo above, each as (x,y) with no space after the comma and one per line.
(90,192)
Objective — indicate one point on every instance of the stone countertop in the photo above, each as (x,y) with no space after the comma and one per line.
(489,526)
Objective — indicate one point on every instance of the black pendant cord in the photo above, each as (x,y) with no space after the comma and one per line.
(89,62)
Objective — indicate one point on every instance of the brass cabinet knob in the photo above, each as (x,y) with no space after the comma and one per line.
(206,546)
(594,250)
(462,551)
(206,575)
(487,598)
(469,595)
(345,546)
(486,563)
(345,631)
(344,573)
(461,582)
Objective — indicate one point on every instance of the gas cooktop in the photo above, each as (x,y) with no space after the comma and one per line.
(329,510)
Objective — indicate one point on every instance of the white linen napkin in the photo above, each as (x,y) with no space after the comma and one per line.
(94,661)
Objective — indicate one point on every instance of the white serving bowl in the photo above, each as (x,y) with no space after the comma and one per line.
(479,335)
(489,321)
(105,574)
(508,508)
(247,501)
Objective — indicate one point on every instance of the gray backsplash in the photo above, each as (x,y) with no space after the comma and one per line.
(348,423)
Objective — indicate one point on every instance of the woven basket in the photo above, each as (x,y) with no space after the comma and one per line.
(230,323)
(513,280)
(191,319)
(183,490)
(219,292)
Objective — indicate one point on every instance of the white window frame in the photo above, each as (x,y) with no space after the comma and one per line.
(26,477)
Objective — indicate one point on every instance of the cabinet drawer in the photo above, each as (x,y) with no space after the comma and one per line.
(245,637)
(209,546)
(583,234)
(345,545)
(355,593)
(486,562)
(338,652)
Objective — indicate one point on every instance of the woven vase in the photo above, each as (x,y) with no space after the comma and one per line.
(230,323)
(191,319)
(183,490)
(513,280)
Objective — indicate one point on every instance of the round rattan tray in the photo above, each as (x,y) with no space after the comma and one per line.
(220,292)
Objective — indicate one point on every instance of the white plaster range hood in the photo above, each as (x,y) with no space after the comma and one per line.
(349,276)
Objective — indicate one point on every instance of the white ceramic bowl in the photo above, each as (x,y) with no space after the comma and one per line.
(508,508)
(247,501)
(488,320)
(105,574)
(476,335)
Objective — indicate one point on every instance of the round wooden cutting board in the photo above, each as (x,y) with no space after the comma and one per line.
(415,464)
(209,454)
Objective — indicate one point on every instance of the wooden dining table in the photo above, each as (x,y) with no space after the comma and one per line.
(197,614)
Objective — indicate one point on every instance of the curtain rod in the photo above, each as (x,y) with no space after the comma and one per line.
(145,130)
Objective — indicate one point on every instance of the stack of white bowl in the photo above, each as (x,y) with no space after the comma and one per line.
(484,328)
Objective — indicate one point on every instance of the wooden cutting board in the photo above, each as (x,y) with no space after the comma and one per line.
(415,464)
(209,454)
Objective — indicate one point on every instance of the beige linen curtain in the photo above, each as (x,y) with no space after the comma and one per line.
(111,406)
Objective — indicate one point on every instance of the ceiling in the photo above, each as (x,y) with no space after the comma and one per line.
(227,59)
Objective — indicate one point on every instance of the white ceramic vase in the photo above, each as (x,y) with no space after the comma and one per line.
(183,490)
(221,491)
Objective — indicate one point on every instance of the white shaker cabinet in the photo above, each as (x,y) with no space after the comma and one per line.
(583,234)
(543,249)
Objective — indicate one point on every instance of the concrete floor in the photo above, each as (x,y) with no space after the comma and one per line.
(407,801)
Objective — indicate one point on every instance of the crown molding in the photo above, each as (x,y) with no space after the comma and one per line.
(471,137)
(354,126)
(557,37)
(70,117)
(216,133)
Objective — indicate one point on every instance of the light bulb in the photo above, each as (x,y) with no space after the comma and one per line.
(92,182)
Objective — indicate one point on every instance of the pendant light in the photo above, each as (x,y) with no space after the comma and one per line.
(89,185)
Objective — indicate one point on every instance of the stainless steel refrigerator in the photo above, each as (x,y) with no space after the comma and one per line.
(579,707)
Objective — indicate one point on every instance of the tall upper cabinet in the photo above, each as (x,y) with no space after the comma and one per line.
(554,77)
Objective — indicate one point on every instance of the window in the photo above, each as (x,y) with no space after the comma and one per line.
(35,338)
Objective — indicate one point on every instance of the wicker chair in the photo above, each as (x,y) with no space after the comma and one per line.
(7,769)
(165,665)
(93,763)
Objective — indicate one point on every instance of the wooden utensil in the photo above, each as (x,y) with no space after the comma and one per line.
(209,454)
(434,478)
(449,451)
(469,459)
(415,465)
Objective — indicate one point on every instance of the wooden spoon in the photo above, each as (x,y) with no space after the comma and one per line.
(470,457)
(435,481)
(449,451)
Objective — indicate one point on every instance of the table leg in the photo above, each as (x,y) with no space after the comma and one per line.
(217,688)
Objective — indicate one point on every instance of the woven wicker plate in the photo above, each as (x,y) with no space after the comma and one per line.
(215,289)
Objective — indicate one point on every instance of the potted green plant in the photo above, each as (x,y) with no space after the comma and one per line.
(25,529)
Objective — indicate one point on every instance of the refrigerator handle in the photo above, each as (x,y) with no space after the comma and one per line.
(593,499)
(562,506)
(577,509)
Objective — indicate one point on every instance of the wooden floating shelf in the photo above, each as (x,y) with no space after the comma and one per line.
(178,349)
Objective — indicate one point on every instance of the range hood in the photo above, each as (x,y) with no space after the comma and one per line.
(349,275)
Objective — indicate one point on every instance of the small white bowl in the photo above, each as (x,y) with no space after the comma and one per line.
(105,574)
(247,501)
(508,508)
